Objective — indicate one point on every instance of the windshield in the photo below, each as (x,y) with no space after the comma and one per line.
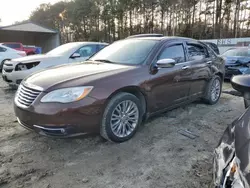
(237,52)
(60,50)
(131,52)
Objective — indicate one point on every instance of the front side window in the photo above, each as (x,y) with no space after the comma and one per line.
(63,49)
(129,52)
(2,49)
(196,52)
(87,51)
(175,52)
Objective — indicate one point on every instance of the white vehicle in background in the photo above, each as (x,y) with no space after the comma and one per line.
(7,53)
(15,70)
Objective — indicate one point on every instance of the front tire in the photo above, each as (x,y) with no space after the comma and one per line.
(213,90)
(121,118)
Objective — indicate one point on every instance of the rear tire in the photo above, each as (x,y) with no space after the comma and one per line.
(121,118)
(213,90)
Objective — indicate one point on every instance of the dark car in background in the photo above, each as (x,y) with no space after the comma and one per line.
(237,61)
(126,82)
(232,156)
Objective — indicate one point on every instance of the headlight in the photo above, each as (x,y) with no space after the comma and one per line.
(25,66)
(66,95)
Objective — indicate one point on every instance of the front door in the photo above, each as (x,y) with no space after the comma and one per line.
(170,86)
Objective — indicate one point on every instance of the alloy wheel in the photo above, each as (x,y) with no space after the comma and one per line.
(124,118)
(215,90)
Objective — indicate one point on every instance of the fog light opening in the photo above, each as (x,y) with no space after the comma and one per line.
(63,131)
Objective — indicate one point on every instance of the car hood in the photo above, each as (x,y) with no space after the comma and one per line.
(236,60)
(79,73)
(33,58)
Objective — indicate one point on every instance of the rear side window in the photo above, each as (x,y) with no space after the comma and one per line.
(175,52)
(211,52)
(101,47)
(196,52)
(2,49)
(213,47)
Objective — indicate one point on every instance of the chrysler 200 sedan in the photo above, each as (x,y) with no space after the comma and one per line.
(117,88)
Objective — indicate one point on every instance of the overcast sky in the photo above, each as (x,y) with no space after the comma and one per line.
(18,10)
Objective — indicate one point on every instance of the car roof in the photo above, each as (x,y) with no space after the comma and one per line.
(86,42)
(162,38)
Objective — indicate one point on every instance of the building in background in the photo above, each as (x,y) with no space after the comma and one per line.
(30,33)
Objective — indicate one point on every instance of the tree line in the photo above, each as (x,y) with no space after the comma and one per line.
(110,20)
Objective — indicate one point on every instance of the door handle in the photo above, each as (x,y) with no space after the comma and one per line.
(185,67)
(209,62)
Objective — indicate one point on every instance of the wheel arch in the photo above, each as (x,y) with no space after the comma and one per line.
(220,75)
(134,90)
(7,59)
(1,63)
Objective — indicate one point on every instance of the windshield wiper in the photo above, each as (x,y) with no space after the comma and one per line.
(104,60)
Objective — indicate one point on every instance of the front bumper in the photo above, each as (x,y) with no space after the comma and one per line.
(52,131)
(13,77)
(223,155)
(61,120)
(232,176)
(229,156)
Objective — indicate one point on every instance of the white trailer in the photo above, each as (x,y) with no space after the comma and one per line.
(225,44)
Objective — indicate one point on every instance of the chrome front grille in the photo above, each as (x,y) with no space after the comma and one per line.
(26,95)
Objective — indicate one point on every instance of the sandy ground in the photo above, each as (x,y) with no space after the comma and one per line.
(158,156)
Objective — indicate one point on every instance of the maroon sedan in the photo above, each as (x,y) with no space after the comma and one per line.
(117,88)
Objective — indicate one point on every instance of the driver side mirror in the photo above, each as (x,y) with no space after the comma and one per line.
(165,63)
(75,55)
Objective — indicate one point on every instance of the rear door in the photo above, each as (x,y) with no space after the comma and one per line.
(200,62)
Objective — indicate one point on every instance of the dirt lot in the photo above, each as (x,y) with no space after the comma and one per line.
(158,156)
